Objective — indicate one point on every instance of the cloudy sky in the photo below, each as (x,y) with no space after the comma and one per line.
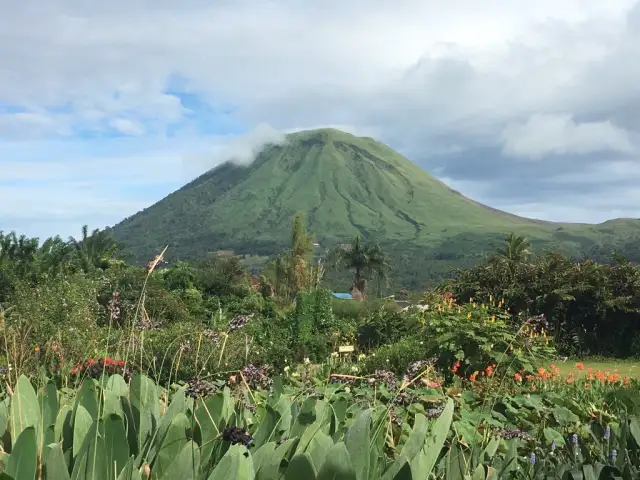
(105,107)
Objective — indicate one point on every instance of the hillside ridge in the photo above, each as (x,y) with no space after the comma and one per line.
(346,186)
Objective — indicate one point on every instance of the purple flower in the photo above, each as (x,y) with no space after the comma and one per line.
(574,439)
(614,455)
(553,446)
(532,458)
(607,433)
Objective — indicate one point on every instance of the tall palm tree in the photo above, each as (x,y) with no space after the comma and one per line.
(360,257)
(95,250)
(516,249)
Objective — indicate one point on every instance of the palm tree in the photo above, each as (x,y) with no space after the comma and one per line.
(95,250)
(360,257)
(517,249)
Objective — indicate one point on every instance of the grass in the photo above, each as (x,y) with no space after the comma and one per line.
(625,367)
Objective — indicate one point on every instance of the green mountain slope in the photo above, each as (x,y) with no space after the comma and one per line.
(346,186)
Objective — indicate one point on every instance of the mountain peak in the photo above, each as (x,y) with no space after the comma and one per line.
(344,184)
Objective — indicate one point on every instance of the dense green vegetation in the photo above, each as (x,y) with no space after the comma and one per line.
(120,371)
(348,186)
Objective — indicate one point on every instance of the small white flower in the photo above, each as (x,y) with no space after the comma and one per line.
(355,369)
(347,389)
(287,368)
(362,356)
(306,360)
(334,354)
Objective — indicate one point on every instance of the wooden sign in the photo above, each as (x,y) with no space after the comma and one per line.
(345,348)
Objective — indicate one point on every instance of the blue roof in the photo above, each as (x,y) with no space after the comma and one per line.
(343,296)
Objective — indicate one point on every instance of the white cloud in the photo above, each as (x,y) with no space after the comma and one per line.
(126,126)
(240,150)
(554,134)
(432,79)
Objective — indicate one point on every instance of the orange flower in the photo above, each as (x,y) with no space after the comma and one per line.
(529,378)
(580,366)
(36,349)
(517,377)
(489,370)
(613,378)
(473,376)
(626,381)
(456,366)
(570,380)
(533,388)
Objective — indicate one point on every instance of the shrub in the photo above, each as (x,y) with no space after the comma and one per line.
(466,340)
(60,311)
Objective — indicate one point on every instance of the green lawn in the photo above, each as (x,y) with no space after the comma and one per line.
(626,368)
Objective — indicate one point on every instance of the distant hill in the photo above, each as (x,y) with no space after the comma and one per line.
(346,186)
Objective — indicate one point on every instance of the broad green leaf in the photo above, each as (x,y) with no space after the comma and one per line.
(552,435)
(318,447)
(81,427)
(130,472)
(63,431)
(25,411)
(337,465)
(357,440)
(4,415)
(48,405)
(178,405)
(145,406)
(88,397)
(115,440)
(300,468)
(319,426)
(271,466)
(117,385)
(435,441)
(23,460)
(634,429)
(267,427)
(564,416)
(479,473)
(411,448)
(186,465)
(306,416)
(262,453)
(236,464)
(112,404)
(173,443)
(91,463)
(55,465)
(210,415)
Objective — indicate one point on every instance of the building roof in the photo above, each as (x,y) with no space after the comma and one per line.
(343,296)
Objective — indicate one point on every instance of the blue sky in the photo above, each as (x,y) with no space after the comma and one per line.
(106,108)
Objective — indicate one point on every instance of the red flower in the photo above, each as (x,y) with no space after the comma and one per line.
(74,371)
